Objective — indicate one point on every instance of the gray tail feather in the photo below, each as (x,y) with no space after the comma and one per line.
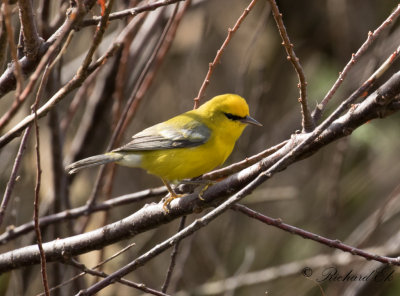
(93,161)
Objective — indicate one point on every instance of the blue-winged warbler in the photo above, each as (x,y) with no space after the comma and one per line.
(185,146)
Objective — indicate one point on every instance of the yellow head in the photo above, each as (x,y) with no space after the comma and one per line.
(228,114)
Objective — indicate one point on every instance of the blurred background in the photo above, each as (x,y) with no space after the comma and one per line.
(347,191)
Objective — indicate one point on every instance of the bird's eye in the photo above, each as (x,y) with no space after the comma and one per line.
(233,117)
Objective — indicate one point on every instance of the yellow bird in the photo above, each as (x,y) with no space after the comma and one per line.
(185,146)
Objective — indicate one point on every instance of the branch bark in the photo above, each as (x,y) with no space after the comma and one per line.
(32,41)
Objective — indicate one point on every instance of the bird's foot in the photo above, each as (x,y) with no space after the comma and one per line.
(168,199)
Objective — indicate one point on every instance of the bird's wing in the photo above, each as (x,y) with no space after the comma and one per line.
(167,136)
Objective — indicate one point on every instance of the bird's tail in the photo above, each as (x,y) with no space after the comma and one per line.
(93,161)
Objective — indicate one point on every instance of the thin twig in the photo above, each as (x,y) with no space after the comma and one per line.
(39,94)
(372,36)
(98,36)
(293,268)
(141,287)
(312,236)
(37,188)
(13,176)
(220,51)
(92,271)
(81,94)
(236,167)
(307,121)
(174,255)
(166,39)
(387,92)
(131,11)
(122,77)
(35,76)
(13,51)
(76,264)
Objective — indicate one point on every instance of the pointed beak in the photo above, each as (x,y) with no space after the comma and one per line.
(250,120)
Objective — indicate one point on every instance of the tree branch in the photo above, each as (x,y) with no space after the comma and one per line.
(307,121)
(372,36)
(32,41)
(220,51)
(131,11)
(333,243)
(377,105)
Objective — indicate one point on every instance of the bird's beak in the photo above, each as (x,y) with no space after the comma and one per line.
(250,120)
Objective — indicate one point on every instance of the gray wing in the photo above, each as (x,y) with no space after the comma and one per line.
(167,136)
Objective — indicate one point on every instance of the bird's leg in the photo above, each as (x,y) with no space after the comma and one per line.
(200,182)
(172,195)
(207,183)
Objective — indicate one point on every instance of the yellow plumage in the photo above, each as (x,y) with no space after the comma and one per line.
(185,146)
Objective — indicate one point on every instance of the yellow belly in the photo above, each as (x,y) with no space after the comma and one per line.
(183,163)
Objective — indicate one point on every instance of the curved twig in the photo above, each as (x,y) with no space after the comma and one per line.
(307,121)
(372,36)
(220,51)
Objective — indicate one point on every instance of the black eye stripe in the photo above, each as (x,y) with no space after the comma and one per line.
(233,117)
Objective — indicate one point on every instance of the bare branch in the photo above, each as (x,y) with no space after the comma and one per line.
(98,36)
(236,167)
(13,176)
(292,268)
(307,121)
(37,186)
(32,41)
(372,36)
(141,287)
(174,254)
(333,243)
(131,11)
(220,51)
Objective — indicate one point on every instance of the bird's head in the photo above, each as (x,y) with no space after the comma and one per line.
(228,110)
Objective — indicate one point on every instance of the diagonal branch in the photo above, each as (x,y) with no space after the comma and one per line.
(307,121)
(13,176)
(131,11)
(220,51)
(372,36)
(333,243)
